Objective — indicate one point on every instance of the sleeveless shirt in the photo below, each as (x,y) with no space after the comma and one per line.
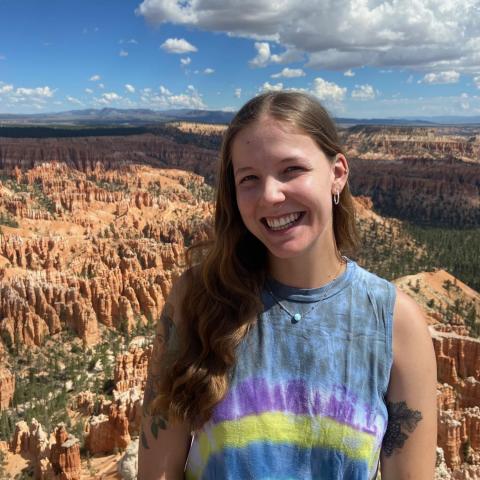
(306,399)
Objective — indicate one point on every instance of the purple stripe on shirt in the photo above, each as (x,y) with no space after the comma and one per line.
(256,396)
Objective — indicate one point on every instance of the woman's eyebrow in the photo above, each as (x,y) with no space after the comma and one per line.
(242,169)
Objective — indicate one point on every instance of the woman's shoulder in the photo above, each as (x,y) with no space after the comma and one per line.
(371,283)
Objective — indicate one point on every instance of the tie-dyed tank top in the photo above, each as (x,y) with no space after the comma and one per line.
(306,398)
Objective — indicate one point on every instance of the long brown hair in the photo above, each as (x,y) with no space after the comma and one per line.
(222,293)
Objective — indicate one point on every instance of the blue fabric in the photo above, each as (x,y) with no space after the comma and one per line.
(307,398)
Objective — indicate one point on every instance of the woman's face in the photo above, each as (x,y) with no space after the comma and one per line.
(284,185)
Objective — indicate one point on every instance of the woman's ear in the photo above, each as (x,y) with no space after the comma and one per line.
(340,172)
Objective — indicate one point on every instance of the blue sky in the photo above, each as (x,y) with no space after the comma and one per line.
(361,58)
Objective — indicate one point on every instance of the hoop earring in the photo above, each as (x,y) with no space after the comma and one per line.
(336,198)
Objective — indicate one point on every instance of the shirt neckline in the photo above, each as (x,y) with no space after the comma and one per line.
(309,295)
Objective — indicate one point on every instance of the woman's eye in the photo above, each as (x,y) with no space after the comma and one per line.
(247,178)
(294,168)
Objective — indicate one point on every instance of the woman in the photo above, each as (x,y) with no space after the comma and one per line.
(283,357)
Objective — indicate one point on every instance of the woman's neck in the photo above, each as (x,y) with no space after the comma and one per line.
(308,271)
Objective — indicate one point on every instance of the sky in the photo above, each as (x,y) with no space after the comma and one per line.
(361,58)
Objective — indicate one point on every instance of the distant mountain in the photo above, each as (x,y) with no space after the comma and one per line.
(451,119)
(116,116)
(144,116)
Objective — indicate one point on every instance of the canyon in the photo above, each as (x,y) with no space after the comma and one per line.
(93,233)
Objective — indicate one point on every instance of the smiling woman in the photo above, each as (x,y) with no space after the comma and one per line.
(277,356)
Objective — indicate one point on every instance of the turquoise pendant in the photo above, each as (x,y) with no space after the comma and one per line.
(297,317)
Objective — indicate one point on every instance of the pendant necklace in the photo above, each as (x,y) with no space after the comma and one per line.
(297,316)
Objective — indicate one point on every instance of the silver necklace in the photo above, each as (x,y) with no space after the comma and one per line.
(297,316)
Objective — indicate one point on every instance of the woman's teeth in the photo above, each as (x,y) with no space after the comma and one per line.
(281,223)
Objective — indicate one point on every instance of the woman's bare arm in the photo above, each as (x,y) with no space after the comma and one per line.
(164,445)
(408,450)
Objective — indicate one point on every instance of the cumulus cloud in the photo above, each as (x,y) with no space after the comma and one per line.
(108,98)
(208,71)
(123,53)
(289,73)
(164,98)
(129,88)
(363,92)
(6,88)
(163,90)
(450,76)
(185,61)
(74,100)
(264,56)
(31,97)
(89,91)
(267,87)
(111,96)
(349,73)
(34,92)
(476,81)
(177,45)
(95,78)
(422,34)
(328,92)
(238,92)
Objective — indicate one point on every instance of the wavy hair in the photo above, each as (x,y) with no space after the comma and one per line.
(221,298)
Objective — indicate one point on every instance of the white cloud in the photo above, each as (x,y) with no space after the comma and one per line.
(349,73)
(101,85)
(177,45)
(111,96)
(264,56)
(185,61)
(363,92)
(89,91)
(123,53)
(208,71)
(6,88)
(108,98)
(476,80)
(129,88)
(34,92)
(450,76)
(238,92)
(328,92)
(422,34)
(267,87)
(31,97)
(426,106)
(95,78)
(74,100)
(464,103)
(289,73)
(410,79)
(191,98)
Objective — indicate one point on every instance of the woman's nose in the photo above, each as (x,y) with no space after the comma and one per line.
(273,191)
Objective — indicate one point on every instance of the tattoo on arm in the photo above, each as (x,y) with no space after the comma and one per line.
(164,331)
(400,417)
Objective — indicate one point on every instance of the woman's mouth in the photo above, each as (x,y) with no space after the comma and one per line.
(282,223)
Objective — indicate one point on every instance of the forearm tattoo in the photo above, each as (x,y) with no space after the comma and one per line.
(164,330)
(400,418)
